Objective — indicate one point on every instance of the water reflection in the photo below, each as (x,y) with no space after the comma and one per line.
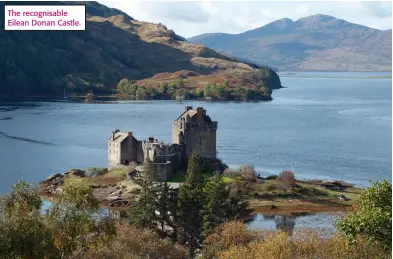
(283,222)
(322,222)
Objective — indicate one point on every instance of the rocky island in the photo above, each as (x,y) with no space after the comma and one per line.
(194,133)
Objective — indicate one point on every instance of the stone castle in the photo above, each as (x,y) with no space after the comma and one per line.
(192,132)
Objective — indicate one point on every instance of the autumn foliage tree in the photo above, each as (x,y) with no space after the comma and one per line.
(287,178)
(70,226)
(23,229)
(75,219)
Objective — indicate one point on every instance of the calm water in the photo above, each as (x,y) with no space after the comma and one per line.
(321,222)
(331,128)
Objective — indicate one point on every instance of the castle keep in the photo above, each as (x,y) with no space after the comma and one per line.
(192,132)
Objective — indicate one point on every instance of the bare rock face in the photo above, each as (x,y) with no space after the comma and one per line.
(52,180)
(52,177)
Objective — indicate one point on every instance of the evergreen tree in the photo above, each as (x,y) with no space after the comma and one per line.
(194,174)
(143,213)
(237,209)
(221,206)
(217,195)
(190,203)
(166,206)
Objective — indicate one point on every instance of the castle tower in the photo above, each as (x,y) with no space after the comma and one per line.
(196,131)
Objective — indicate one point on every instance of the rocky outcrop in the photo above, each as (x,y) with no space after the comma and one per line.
(112,195)
(76,172)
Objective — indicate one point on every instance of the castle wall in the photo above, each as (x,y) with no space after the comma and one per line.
(129,149)
(114,154)
(139,154)
(164,171)
(208,147)
(176,129)
(202,143)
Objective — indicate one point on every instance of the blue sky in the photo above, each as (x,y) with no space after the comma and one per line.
(190,18)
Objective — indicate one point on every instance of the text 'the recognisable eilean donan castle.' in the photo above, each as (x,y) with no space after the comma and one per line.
(192,132)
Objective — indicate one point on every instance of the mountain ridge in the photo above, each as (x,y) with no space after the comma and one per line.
(317,42)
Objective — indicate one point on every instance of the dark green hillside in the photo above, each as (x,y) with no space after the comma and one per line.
(114,46)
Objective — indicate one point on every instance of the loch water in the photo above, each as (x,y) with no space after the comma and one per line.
(338,127)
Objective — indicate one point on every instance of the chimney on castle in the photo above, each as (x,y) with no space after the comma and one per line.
(188,108)
(114,134)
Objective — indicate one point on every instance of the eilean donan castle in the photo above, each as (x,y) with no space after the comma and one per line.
(192,132)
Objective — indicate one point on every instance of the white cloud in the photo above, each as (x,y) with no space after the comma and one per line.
(302,9)
(192,18)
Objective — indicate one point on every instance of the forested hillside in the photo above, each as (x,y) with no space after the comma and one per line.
(114,46)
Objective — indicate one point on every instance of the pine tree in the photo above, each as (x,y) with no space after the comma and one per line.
(237,208)
(220,206)
(194,170)
(143,213)
(190,203)
(217,195)
(166,206)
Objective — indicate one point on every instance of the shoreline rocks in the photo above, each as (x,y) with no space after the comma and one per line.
(111,194)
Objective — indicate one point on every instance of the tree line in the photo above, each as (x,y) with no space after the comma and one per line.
(178,90)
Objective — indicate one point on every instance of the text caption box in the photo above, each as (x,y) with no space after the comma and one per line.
(45,17)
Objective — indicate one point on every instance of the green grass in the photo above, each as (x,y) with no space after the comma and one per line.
(179,177)
(115,175)
(273,189)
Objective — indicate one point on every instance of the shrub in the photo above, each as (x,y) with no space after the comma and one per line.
(234,233)
(132,242)
(273,186)
(372,217)
(231,173)
(248,173)
(287,178)
(306,244)
(272,177)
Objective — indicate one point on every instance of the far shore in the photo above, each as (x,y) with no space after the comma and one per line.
(294,75)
